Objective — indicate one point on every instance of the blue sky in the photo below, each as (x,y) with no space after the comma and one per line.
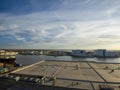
(60,24)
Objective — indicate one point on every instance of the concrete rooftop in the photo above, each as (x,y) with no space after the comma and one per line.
(80,75)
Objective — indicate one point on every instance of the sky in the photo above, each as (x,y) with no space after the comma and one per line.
(60,24)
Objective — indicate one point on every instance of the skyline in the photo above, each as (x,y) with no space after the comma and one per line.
(60,24)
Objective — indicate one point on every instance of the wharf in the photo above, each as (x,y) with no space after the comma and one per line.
(74,75)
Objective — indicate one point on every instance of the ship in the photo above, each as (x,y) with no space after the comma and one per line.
(7,56)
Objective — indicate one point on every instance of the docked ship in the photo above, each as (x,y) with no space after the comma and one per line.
(7,56)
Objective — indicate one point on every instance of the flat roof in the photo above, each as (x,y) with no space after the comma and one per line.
(84,75)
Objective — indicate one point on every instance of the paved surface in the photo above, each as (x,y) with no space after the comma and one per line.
(78,74)
(107,73)
(82,75)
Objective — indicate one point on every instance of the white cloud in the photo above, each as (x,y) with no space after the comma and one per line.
(72,26)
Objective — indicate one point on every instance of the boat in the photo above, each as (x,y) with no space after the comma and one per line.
(7,56)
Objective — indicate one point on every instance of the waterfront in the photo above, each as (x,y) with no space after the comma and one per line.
(30,59)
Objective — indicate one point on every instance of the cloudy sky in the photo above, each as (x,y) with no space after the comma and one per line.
(60,24)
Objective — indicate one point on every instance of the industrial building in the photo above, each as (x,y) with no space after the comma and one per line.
(82,53)
(105,53)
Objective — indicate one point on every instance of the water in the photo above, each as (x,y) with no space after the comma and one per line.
(30,59)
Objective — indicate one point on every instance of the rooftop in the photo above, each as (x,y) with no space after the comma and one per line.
(78,75)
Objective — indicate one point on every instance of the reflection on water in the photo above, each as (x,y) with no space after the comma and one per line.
(29,59)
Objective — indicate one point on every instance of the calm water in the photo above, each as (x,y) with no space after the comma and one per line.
(30,59)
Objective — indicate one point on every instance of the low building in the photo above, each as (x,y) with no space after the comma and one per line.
(104,53)
(111,54)
(81,53)
(100,53)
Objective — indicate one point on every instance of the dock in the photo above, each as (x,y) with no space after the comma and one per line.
(72,74)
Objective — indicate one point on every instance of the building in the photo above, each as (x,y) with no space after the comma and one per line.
(111,54)
(100,53)
(81,53)
(105,53)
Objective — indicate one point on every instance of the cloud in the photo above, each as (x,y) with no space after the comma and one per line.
(110,36)
(74,24)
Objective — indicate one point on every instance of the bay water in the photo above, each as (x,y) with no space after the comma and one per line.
(30,59)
